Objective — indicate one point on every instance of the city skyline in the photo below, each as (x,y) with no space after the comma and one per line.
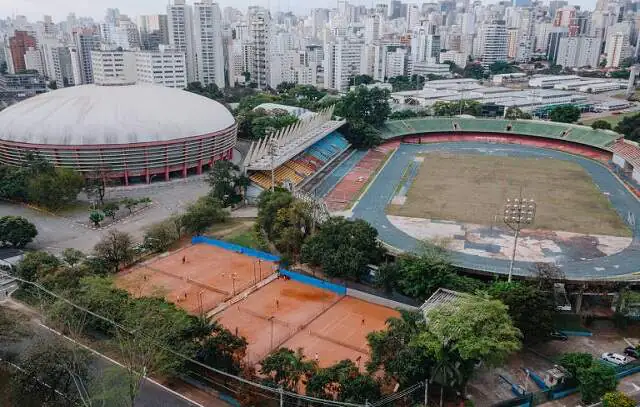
(34,10)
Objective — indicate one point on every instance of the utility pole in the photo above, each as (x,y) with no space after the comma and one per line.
(281,391)
(518,212)
(426,392)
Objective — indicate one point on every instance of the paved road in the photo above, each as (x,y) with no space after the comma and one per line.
(372,209)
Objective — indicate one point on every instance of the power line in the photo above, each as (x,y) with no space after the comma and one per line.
(180,355)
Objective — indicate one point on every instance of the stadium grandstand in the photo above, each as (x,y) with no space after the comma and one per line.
(292,156)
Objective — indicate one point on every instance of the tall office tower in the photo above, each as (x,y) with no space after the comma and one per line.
(18,46)
(65,66)
(617,48)
(395,9)
(260,39)
(413,16)
(424,44)
(49,27)
(180,27)
(127,35)
(494,42)
(382,10)
(207,41)
(564,16)
(342,61)
(556,4)
(154,30)
(541,31)
(512,42)
(556,34)
(112,16)
(85,40)
(578,52)
(371,28)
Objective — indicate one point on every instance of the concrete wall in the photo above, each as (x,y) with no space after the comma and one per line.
(379,300)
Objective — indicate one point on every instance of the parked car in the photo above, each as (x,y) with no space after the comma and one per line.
(615,358)
(632,351)
(557,335)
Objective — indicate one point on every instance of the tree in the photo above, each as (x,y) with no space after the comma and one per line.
(34,266)
(285,87)
(55,189)
(287,368)
(630,127)
(129,203)
(596,381)
(360,80)
(269,203)
(404,83)
(72,256)
(502,67)
(403,114)
(14,182)
(531,309)
(219,347)
(160,236)
(96,183)
(361,134)
(601,124)
(475,71)
(343,382)
(210,91)
(227,183)
(202,214)
(393,350)
(292,226)
(96,217)
(617,399)
(564,114)
(363,104)
(52,373)
(343,248)
(111,210)
(115,249)
(469,330)
(514,113)
(627,62)
(574,362)
(16,231)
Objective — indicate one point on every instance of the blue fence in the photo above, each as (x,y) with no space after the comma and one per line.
(576,333)
(236,248)
(325,285)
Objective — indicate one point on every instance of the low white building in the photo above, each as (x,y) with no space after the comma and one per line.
(548,81)
(113,67)
(424,69)
(458,58)
(166,67)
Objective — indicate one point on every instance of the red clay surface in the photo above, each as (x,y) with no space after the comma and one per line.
(349,187)
(298,304)
(209,276)
(339,333)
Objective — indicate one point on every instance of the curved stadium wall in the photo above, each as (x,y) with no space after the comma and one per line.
(125,161)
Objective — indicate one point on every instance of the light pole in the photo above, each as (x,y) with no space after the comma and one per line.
(271,320)
(518,212)
(233,282)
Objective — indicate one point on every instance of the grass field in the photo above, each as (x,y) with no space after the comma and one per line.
(473,188)
(612,119)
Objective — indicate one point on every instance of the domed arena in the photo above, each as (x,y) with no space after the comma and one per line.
(132,133)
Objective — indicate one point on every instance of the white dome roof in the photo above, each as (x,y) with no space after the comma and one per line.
(91,115)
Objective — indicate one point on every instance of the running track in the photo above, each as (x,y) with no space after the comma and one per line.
(372,205)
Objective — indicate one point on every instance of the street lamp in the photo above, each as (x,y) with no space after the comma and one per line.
(518,212)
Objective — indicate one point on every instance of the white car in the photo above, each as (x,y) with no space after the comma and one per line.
(615,358)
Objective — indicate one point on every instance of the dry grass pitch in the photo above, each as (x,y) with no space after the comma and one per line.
(473,188)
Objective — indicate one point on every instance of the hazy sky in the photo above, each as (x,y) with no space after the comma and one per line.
(35,9)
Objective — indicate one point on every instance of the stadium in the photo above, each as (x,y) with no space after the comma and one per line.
(447,180)
(130,133)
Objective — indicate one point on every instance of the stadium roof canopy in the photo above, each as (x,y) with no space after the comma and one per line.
(100,115)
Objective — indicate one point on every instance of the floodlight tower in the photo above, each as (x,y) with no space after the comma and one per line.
(518,212)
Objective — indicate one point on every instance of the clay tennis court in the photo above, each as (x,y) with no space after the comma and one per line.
(208,276)
(298,304)
(339,333)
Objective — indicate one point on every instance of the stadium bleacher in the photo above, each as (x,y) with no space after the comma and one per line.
(304,164)
(535,128)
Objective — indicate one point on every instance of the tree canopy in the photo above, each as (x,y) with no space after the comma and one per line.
(565,114)
(502,67)
(466,106)
(514,113)
(203,213)
(531,309)
(601,124)
(364,108)
(16,231)
(630,127)
(474,70)
(227,182)
(405,82)
(343,248)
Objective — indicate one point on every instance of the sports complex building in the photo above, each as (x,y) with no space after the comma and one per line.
(130,133)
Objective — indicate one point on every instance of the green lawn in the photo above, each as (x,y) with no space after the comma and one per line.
(612,119)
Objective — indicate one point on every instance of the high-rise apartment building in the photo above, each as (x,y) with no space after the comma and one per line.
(66,66)
(259,45)
(165,67)
(18,46)
(86,40)
(556,34)
(154,30)
(617,48)
(578,52)
(113,67)
(493,42)
(342,61)
(207,39)
(180,27)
